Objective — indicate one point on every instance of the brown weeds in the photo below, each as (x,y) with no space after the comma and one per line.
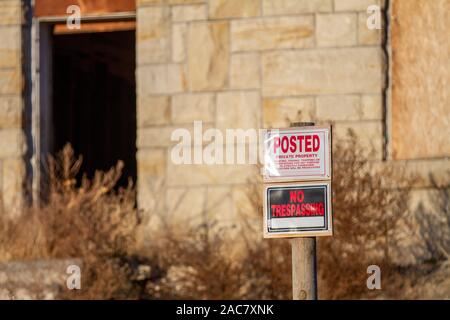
(90,220)
(85,219)
(366,212)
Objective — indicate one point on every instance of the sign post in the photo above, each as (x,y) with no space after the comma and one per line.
(297,196)
(304,272)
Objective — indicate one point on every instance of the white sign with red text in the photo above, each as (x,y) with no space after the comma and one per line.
(302,153)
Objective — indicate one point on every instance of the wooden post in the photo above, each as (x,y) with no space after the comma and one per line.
(304,273)
(304,279)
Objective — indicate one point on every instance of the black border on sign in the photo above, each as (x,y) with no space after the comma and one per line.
(325,227)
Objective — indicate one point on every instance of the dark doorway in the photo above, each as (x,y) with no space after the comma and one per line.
(94,99)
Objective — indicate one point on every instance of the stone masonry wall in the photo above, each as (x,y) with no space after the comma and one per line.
(247,64)
(255,64)
(231,64)
(12,141)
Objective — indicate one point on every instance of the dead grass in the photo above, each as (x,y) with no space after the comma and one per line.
(85,219)
(365,216)
(199,265)
(367,213)
(90,220)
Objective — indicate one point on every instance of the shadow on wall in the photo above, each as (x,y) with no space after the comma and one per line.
(434,224)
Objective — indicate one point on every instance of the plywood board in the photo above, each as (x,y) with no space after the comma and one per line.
(420,105)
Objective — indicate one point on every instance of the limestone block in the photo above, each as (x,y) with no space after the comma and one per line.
(331,71)
(12,143)
(10,112)
(13,183)
(272,33)
(11,12)
(187,108)
(10,81)
(367,36)
(234,8)
(179,33)
(151,165)
(167,2)
(372,106)
(426,173)
(219,203)
(280,112)
(153,110)
(153,35)
(369,134)
(279,7)
(208,56)
(189,13)
(240,109)
(244,197)
(10,47)
(339,108)
(336,30)
(184,1)
(244,71)
(203,174)
(154,137)
(160,79)
(151,162)
(356,5)
(161,136)
(186,206)
(148,2)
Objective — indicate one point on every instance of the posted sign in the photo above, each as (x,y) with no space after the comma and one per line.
(302,153)
(291,209)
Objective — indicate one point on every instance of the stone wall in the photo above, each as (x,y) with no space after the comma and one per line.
(235,64)
(12,139)
(255,64)
(247,64)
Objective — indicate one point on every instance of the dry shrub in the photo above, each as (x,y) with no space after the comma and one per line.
(99,225)
(199,264)
(367,214)
(434,224)
(85,219)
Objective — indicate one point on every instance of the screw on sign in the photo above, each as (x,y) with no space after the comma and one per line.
(297,196)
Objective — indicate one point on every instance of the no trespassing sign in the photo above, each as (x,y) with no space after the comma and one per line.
(291,209)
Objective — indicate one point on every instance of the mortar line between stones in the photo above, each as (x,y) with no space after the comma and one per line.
(276,50)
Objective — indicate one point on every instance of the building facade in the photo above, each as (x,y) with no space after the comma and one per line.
(249,64)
